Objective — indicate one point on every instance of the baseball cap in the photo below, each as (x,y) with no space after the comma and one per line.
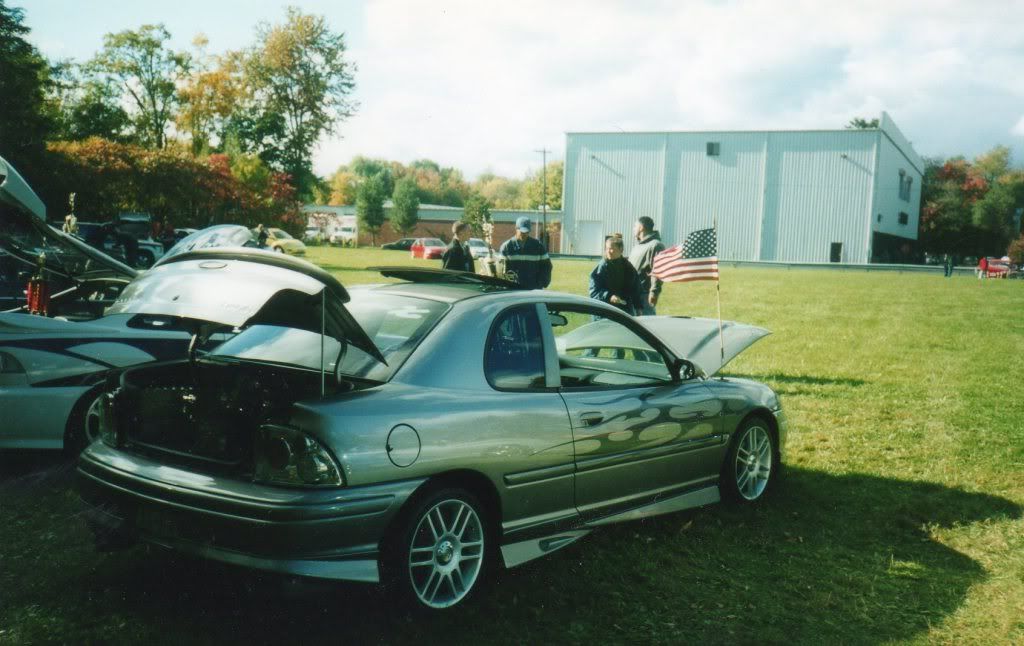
(523,224)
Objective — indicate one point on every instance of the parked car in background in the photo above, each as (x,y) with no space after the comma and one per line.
(313,234)
(324,441)
(281,241)
(344,236)
(477,248)
(402,244)
(999,267)
(113,239)
(427,248)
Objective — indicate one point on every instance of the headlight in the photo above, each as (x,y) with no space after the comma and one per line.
(10,365)
(288,456)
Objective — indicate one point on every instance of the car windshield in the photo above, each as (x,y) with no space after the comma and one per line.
(278,233)
(476,242)
(396,324)
(432,242)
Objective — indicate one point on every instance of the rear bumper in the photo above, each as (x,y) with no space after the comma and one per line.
(332,534)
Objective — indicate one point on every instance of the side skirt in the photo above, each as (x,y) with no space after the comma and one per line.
(518,553)
(699,498)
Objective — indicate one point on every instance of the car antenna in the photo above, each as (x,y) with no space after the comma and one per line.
(323,330)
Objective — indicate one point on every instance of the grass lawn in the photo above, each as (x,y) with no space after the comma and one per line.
(898,519)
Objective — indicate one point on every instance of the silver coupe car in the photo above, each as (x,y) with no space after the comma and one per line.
(415,433)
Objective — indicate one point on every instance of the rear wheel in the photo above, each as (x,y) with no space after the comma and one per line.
(751,464)
(144,259)
(440,555)
(278,249)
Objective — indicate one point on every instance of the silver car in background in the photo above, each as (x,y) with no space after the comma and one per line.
(415,433)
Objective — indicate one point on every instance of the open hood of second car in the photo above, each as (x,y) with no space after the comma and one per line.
(239,287)
(697,340)
(25,234)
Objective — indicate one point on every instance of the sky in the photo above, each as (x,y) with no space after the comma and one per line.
(482,85)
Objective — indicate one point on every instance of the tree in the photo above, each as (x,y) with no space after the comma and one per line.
(210,96)
(343,186)
(502,192)
(25,122)
(405,206)
(370,206)
(149,74)
(475,212)
(535,188)
(298,70)
(860,123)
(86,105)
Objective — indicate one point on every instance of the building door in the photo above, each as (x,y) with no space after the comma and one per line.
(590,237)
(836,252)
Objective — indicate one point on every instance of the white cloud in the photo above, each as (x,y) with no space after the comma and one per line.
(1018,129)
(481,85)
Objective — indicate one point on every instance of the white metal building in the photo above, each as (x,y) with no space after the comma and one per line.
(845,195)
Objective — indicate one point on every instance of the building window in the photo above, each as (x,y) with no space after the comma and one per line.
(879,217)
(905,182)
(714,149)
(904,218)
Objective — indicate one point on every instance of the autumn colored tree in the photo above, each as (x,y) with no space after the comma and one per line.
(536,189)
(148,73)
(210,96)
(299,72)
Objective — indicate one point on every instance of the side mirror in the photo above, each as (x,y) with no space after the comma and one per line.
(684,370)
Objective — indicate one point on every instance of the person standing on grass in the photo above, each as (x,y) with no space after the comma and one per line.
(615,281)
(983,268)
(526,259)
(648,246)
(457,255)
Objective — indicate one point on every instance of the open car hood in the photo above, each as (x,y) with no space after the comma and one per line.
(238,287)
(24,233)
(697,340)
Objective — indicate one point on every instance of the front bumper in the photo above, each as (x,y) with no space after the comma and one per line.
(325,533)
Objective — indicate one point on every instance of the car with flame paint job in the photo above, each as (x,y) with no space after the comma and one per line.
(416,433)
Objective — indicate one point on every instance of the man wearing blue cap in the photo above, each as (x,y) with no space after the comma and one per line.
(526,259)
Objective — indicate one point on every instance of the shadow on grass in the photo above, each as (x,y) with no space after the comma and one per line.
(826,558)
(802,379)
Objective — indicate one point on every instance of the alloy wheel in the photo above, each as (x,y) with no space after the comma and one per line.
(446,553)
(753,462)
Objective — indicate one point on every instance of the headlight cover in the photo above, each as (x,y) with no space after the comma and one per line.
(287,456)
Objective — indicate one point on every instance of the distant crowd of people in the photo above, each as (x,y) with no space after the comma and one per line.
(626,283)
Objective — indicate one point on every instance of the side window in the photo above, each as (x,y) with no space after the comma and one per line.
(514,358)
(595,351)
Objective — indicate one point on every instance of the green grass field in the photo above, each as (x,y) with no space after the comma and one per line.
(898,519)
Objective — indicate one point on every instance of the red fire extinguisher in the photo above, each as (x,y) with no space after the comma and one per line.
(39,290)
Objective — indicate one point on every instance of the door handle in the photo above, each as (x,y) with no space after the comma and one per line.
(591,419)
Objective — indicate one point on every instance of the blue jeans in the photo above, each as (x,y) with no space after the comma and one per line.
(647,309)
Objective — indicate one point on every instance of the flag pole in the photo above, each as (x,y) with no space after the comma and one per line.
(718,295)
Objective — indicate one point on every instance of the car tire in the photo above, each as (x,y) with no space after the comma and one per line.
(83,423)
(752,463)
(144,260)
(278,250)
(441,552)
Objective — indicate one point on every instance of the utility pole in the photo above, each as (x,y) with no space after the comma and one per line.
(544,191)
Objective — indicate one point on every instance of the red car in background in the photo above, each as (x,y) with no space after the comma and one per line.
(428,248)
(998,267)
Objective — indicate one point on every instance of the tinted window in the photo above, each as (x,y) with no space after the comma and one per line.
(515,355)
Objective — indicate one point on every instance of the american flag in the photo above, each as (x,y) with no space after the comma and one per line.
(695,259)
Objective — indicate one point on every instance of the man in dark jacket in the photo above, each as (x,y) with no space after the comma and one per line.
(457,255)
(526,259)
(615,281)
(648,245)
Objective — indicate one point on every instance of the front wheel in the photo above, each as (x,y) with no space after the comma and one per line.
(750,466)
(83,426)
(278,250)
(441,553)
